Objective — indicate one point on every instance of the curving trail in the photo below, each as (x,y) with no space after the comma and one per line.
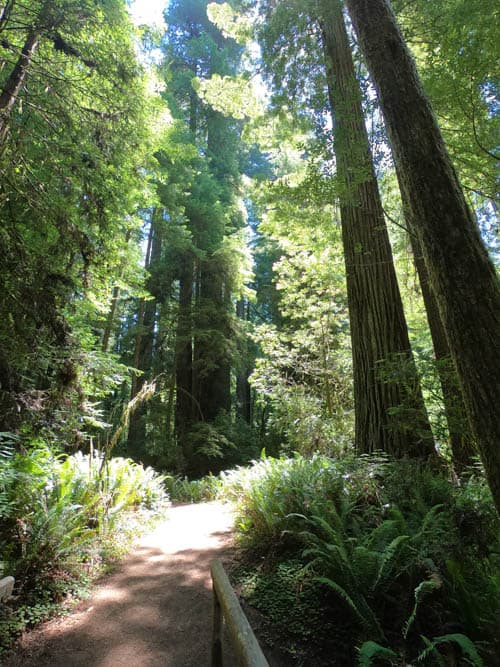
(156,610)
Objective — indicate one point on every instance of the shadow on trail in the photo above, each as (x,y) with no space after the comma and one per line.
(156,610)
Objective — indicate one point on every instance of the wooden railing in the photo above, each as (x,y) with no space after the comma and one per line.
(227,607)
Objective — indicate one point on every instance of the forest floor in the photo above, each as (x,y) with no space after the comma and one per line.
(155,609)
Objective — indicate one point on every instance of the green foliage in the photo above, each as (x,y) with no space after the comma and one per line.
(468,649)
(455,47)
(394,545)
(64,517)
(271,494)
(302,370)
(371,650)
(293,603)
(74,156)
(181,489)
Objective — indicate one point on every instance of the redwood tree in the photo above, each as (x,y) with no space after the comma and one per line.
(378,327)
(462,276)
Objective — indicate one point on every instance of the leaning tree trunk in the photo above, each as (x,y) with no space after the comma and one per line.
(15,82)
(461,274)
(5,13)
(462,449)
(390,414)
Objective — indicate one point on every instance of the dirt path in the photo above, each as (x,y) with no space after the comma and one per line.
(154,611)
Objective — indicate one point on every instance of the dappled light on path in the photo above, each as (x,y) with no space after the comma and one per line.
(155,610)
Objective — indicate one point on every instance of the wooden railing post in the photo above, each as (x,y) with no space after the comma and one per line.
(217,634)
(226,605)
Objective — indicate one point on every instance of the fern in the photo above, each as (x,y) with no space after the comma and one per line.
(421,591)
(466,645)
(371,650)
(388,561)
(359,606)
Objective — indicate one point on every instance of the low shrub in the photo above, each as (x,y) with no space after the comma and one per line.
(184,490)
(409,555)
(62,518)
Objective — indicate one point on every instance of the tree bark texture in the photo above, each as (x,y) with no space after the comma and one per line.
(212,358)
(462,448)
(462,276)
(390,414)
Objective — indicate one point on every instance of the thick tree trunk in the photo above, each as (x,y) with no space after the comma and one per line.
(458,427)
(390,413)
(213,367)
(462,276)
(15,81)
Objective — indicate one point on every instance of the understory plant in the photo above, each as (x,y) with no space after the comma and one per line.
(63,518)
(184,490)
(408,554)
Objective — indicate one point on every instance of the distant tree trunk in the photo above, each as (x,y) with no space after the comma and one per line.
(462,276)
(137,425)
(144,351)
(110,319)
(184,362)
(140,316)
(390,414)
(243,392)
(15,82)
(213,359)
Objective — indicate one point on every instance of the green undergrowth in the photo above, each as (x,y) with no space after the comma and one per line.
(63,521)
(369,561)
(299,615)
(183,490)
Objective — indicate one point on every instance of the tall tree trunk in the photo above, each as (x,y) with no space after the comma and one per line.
(184,406)
(212,357)
(15,81)
(110,319)
(390,414)
(456,416)
(243,392)
(213,363)
(144,351)
(462,276)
